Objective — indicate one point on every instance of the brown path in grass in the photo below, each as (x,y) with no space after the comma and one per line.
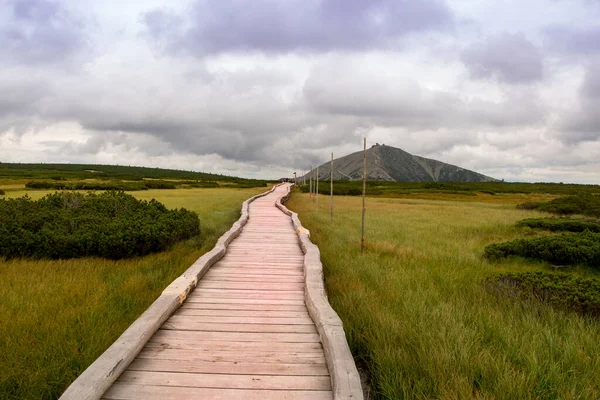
(245,332)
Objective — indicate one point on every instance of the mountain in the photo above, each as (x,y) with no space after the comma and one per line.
(386,163)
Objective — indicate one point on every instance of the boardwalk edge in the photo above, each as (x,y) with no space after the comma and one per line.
(102,373)
(345,379)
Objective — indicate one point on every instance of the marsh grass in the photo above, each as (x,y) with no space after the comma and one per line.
(57,317)
(416,313)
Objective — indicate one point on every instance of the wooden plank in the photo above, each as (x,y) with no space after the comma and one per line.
(204,319)
(230,300)
(270,286)
(245,266)
(241,306)
(243,313)
(209,345)
(247,294)
(231,356)
(239,336)
(243,368)
(127,391)
(258,270)
(224,277)
(215,327)
(226,381)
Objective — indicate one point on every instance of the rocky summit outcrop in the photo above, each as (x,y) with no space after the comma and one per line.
(386,163)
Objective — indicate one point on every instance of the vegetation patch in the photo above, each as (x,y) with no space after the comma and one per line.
(101,185)
(112,224)
(383,188)
(564,249)
(2,192)
(584,204)
(561,290)
(415,311)
(561,224)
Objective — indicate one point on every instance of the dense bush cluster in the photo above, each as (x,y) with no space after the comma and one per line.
(559,289)
(564,249)
(2,192)
(111,224)
(354,188)
(101,185)
(583,203)
(561,224)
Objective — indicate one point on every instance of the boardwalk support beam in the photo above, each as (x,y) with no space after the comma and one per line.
(345,379)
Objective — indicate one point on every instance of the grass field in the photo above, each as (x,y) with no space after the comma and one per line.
(418,317)
(57,317)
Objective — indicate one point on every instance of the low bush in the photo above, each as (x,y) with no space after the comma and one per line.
(584,204)
(111,224)
(203,184)
(561,224)
(530,205)
(563,249)
(562,290)
(109,185)
(2,192)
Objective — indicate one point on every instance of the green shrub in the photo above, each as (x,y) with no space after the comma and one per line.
(530,205)
(561,224)
(109,185)
(111,224)
(583,203)
(563,249)
(159,185)
(203,184)
(562,290)
(2,192)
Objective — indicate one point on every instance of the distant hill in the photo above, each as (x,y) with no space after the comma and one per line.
(104,172)
(386,163)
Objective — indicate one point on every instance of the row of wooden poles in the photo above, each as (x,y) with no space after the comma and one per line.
(314,191)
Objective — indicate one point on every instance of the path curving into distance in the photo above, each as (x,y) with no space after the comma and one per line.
(245,331)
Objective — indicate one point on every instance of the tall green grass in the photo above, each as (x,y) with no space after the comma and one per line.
(57,317)
(418,317)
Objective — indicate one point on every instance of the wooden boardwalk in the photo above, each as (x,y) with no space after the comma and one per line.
(245,332)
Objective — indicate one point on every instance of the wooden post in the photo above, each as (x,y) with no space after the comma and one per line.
(317,190)
(362,237)
(331,188)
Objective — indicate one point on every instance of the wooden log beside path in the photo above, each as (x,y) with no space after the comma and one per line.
(239,324)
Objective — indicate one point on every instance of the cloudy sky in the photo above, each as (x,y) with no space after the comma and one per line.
(262,88)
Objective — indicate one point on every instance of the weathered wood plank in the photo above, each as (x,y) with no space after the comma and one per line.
(247,294)
(243,313)
(127,391)
(239,336)
(226,300)
(208,283)
(242,306)
(209,345)
(215,327)
(275,382)
(231,356)
(240,320)
(243,368)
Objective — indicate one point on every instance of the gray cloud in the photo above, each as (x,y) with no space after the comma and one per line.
(573,40)
(509,58)
(38,32)
(380,100)
(583,122)
(216,26)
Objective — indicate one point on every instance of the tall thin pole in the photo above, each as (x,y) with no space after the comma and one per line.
(362,237)
(331,188)
(317,189)
(310,185)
